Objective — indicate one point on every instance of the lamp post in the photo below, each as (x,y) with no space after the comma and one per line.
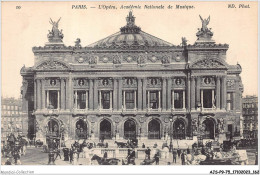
(171,146)
(199,128)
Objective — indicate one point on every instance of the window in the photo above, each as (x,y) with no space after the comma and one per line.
(230,101)
(105,99)
(208,98)
(129,99)
(53,99)
(80,99)
(153,99)
(178,99)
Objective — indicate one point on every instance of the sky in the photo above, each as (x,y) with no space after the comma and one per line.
(26,24)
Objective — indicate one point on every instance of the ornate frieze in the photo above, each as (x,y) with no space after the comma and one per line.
(117,59)
(105,82)
(52,82)
(142,59)
(208,81)
(129,82)
(231,84)
(93,59)
(178,82)
(154,82)
(166,60)
(81,83)
(52,65)
(209,63)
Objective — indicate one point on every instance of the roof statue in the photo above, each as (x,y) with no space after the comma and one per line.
(55,35)
(205,23)
(204,34)
(77,42)
(183,41)
(130,25)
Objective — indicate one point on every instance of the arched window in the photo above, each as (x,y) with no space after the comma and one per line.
(154,129)
(208,127)
(53,128)
(179,129)
(81,129)
(129,129)
(105,130)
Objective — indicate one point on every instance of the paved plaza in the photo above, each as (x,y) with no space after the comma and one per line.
(36,156)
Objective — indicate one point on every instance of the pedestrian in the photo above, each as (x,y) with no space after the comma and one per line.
(8,162)
(58,153)
(183,158)
(179,152)
(128,155)
(148,153)
(71,154)
(157,159)
(174,155)
(256,158)
(143,146)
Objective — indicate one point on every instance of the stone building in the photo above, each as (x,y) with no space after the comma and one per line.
(12,120)
(133,84)
(250,116)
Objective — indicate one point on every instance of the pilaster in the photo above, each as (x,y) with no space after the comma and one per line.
(169,86)
(144,93)
(164,93)
(95,89)
(62,93)
(120,84)
(43,93)
(115,94)
(38,95)
(198,81)
(192,93)
(218,92)
(139,90)
(91,94)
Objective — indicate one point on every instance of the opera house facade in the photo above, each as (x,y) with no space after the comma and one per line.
(133,85)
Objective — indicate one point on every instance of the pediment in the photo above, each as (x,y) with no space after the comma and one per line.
(52,65)
(209,63)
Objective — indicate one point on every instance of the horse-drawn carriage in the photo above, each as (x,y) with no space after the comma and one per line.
(133,143)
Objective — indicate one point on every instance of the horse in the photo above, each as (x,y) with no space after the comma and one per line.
(147,162)
(131,161)
(101,161)
(101,145)
(121,144)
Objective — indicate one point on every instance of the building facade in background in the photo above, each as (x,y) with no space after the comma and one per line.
(12,120)
(250,117)
(133,85)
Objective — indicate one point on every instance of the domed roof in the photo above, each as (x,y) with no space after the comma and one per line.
(130,35)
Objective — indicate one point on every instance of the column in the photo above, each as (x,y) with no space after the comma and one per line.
(213,98)
(234,100)
(58,107)
(148,100)
(100,100)
(67,93)
(218,92)
(164,95)
(43,93)
(76,99)
(70,102)
(172,99)
(144,93)
(35,94)
(124,100)
(188,92)
(159,96)
(95,89)
(224,93)
(62,93)
(197,91)
(38,95)
(169,90)
(91,93)
(48,97)
(183,105)
(115,94)
(110,100)
(192,93)
(86,99)
(139,91)
(120,83)
(201,98)
(135,100)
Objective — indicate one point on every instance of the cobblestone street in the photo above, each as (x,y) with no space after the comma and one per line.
(36,156)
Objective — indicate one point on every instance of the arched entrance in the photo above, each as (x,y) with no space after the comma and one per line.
(154,129)
(105,130)
(129,129)
(208,127)
(53,128)
(81,129)
(179,129)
